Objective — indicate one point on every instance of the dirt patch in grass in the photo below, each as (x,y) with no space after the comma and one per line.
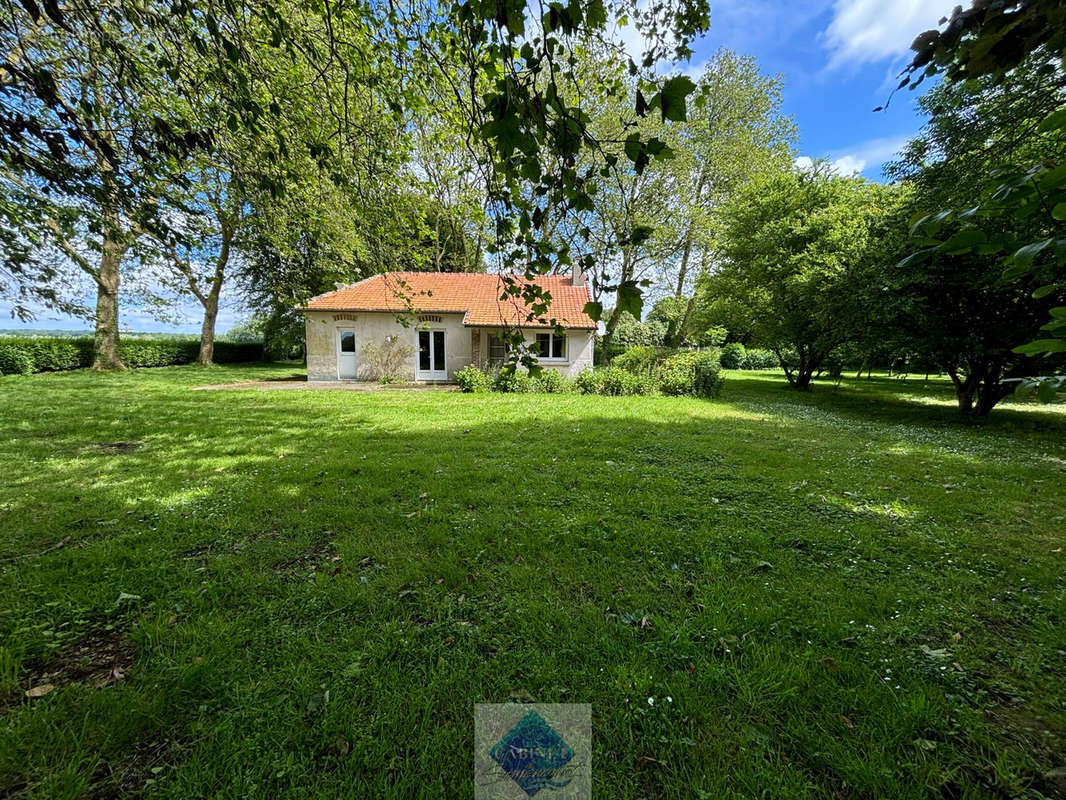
(1042,737)
(146,763)
(322,558)
(98,658)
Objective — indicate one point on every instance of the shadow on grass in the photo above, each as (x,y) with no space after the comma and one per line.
(913,401)
(324,583)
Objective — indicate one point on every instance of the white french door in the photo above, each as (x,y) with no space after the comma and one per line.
(345,353)
(431,363)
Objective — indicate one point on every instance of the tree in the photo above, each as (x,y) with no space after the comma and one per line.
(631,332)
(651,219)
(99,107)
(86,148)
(670,313)
(532,130)
(793,245)
(995,42)
(199,259)
(337,178)
(734,131)
(988,40)
(952,303)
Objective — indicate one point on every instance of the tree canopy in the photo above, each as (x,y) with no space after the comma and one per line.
(793,247)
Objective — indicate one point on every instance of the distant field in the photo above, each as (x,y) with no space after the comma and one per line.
(846,593)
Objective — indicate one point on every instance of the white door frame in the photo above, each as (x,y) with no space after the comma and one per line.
(431,374)
(355,362)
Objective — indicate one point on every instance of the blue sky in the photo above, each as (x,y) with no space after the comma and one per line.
(839,60)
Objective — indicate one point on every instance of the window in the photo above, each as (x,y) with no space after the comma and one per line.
(347,341)
(438,351)
(551,345)
(497,349)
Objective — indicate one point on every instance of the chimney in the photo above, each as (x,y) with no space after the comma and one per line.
(577,275)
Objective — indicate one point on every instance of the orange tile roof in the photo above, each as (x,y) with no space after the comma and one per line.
(477,295)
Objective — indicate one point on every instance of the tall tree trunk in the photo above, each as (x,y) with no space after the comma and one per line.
(682,328)
(106,353)
(616,312)
(682,273)
(210,300)
(207,332)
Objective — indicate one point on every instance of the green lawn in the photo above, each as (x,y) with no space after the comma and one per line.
(847,593)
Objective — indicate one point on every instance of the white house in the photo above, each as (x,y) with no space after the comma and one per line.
(453,319)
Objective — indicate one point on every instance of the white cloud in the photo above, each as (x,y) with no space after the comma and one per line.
(862,31)
(860,157)
(845,165)
(849,165)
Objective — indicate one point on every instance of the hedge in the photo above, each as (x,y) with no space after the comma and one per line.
(22,356)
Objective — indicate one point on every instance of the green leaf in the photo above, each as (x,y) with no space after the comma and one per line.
(1044,291)
(595,14)
(1046,391)
(963,241)
(931,223)
(632,146)
(672,98)
(1053,122)
(1052,179)
(917,257)
(594,310)
(630,298)
(1041,346)
(642,104)
(1059,211)
(640,234)
(1024,256)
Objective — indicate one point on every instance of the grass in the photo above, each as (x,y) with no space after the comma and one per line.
(848,593)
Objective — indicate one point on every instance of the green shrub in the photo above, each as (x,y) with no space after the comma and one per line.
(639,360)
(758,358)
(51,354)
(733,355)
(15,360)
(512,382)
(157,352)
(590,381)
(692,373)
(551,381)
(614,381)
(707,376)
(472,379)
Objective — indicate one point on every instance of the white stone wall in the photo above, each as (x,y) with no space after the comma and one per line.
(373,326)
(321,328)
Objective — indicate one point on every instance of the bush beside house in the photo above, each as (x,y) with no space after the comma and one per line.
(639,371)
